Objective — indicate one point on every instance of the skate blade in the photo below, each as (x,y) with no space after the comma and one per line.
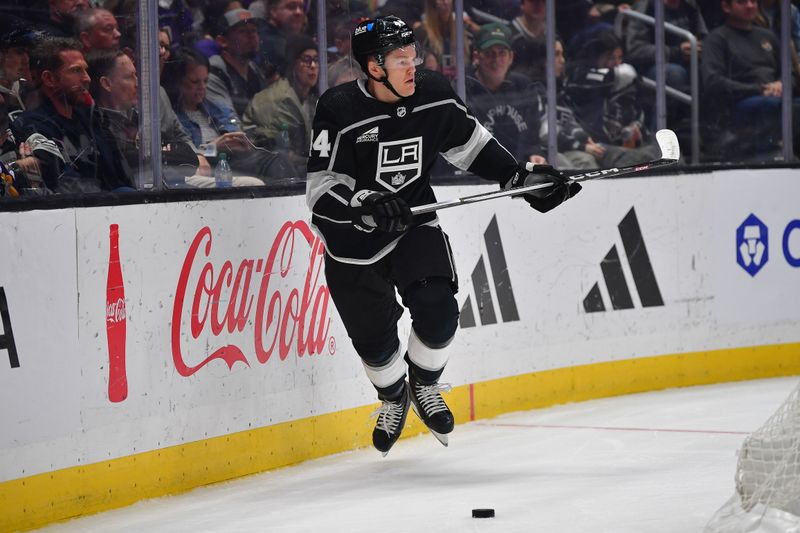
(441,437)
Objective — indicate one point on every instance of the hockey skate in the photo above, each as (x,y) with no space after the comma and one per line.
(391,419)
(429,405)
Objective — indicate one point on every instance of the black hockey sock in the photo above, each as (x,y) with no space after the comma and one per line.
(421,375)
(392,392)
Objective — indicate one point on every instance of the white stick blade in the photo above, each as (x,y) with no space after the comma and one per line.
(668,142)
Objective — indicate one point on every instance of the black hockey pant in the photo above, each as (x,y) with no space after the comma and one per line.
(422,270)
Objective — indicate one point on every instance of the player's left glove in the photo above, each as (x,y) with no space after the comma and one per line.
(545,199)
(380,210)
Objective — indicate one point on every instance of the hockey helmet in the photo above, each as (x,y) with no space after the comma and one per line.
(379,36)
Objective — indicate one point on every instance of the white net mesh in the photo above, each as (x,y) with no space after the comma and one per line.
(767,494)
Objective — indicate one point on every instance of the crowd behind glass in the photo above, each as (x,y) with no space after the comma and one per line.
(241,78)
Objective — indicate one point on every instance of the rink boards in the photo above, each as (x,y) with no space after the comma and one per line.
(236,361)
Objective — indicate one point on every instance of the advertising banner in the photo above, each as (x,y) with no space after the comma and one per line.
(133,328)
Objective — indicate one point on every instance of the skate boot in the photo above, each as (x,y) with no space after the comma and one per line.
(391,419)
(431,409)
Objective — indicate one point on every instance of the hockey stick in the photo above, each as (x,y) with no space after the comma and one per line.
(670,153)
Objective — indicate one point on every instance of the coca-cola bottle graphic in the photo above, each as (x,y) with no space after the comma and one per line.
(115,322)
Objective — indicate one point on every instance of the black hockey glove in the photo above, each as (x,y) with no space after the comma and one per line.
(384,211)
(545,199)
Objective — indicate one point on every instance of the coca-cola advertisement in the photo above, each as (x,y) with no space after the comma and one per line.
(115,321)
(251,309)
(245,311)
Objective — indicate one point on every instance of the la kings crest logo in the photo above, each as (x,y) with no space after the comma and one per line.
(399,163)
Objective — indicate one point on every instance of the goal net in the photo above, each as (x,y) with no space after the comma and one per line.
(767,496)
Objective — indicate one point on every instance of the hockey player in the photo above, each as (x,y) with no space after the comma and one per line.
(374,142)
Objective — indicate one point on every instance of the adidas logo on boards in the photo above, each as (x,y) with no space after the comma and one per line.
(501,282)
(369,136)
(641,271)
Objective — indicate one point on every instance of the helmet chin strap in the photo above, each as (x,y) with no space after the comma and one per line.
(385,81)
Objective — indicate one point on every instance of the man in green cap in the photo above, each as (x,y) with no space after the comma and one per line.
(504,102)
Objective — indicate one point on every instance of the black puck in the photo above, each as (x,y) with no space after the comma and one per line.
(483,513)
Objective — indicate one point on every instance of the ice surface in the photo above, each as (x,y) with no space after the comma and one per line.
(647,463)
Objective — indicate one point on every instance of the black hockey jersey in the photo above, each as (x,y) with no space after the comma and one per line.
(361,143)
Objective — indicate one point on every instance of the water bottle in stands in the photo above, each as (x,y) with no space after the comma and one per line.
(283,138)
(222,172)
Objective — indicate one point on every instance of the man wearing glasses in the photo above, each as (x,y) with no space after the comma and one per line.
(374,144)
(279,117)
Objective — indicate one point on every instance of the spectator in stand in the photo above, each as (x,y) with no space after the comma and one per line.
(164,48)
(15,96)
(344,70)
(60,19)
(235,78)
(83,156)
(528,39)
(97,29)
(769,16)
(214,129)
(283,18)
(574,144)
(15,70)
(604,93)
(115,89)
(640,40)
(288,104)
(530,23)
(342,30)
(504,102)
(437,35)
(741,79)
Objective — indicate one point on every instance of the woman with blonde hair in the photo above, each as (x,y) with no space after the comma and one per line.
(437,33)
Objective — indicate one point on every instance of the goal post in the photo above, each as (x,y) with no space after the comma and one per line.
(767,495)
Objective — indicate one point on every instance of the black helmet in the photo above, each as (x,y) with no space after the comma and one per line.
(377,37)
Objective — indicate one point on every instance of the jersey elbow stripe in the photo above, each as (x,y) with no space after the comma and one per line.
(322,182)
(463,156)
(332,220)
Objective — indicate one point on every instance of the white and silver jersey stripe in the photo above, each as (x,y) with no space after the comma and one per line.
(463,156)
(321,182)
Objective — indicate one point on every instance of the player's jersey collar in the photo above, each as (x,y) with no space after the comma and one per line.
(362,84)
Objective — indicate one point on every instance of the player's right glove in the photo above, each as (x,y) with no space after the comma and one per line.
(545,199)
(381,210)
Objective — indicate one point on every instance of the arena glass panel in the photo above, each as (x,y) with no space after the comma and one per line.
(242,78)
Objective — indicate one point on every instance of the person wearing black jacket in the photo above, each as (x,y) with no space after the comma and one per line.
(742,81)
(85,158)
